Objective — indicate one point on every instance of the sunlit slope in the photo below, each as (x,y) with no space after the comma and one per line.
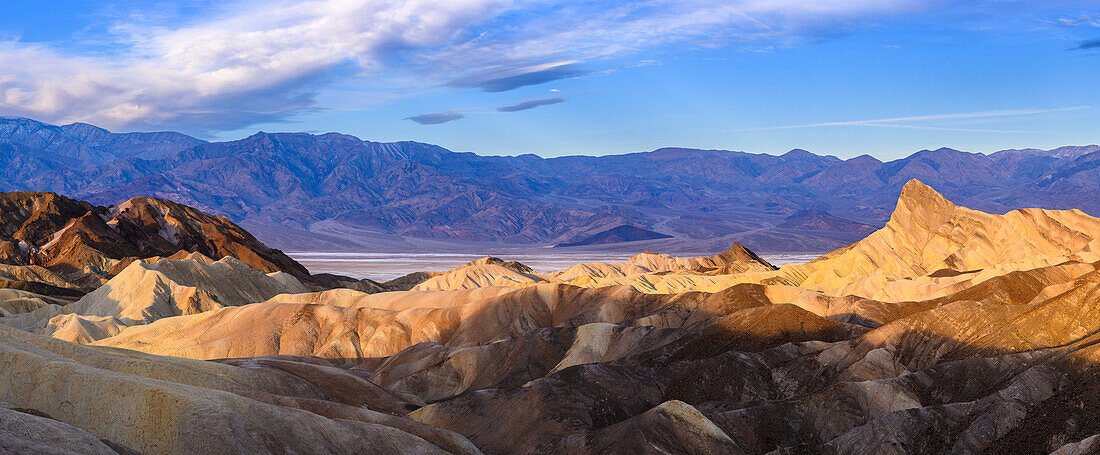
(930,242)
(644,271)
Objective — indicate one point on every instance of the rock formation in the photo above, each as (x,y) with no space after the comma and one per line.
(929,237)
(947,331)
(145,292)
(640,271)
(55,240)
(484,272)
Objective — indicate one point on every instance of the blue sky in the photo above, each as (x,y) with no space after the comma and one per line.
(881,77)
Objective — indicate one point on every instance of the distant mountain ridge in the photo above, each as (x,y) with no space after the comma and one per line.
(820,220)
(334,191)
(84,142)
(624,233)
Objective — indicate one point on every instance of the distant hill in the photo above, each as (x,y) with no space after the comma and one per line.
(820,220)
(624,233)
(334,191)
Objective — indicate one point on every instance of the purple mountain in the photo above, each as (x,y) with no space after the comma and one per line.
(335,191)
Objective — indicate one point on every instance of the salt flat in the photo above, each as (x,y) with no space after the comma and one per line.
(388,265)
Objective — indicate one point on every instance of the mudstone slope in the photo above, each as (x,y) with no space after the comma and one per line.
(949,330)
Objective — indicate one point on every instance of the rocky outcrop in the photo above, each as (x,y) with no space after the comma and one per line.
(161,227)
(30,218)
(81,246)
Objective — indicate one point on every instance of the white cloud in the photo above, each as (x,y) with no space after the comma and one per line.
(255,65)
(260,61)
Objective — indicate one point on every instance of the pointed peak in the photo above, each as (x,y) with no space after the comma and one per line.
(739,253)
(917,190)
(515,266)
(920,201)
(737,246)
(864,158)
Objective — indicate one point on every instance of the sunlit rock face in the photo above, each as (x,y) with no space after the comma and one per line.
(930,242)
(85,245)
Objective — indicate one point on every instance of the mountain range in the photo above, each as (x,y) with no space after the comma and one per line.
(337,192)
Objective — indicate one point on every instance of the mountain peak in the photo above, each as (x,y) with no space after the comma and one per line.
(738,253)
(942,150)
(865,159)
(916,190)
(80,128)
(920,203)
(798,153)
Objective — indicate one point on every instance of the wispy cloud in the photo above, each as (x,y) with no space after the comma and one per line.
(946,128)
(1079,21)
(254,61)
(897,122)
(436,118)
(513,78)
(1087,44)
(530,104)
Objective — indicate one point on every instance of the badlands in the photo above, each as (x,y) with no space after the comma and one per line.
(154,328)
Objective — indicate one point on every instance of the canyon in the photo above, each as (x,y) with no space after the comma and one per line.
(153,327)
